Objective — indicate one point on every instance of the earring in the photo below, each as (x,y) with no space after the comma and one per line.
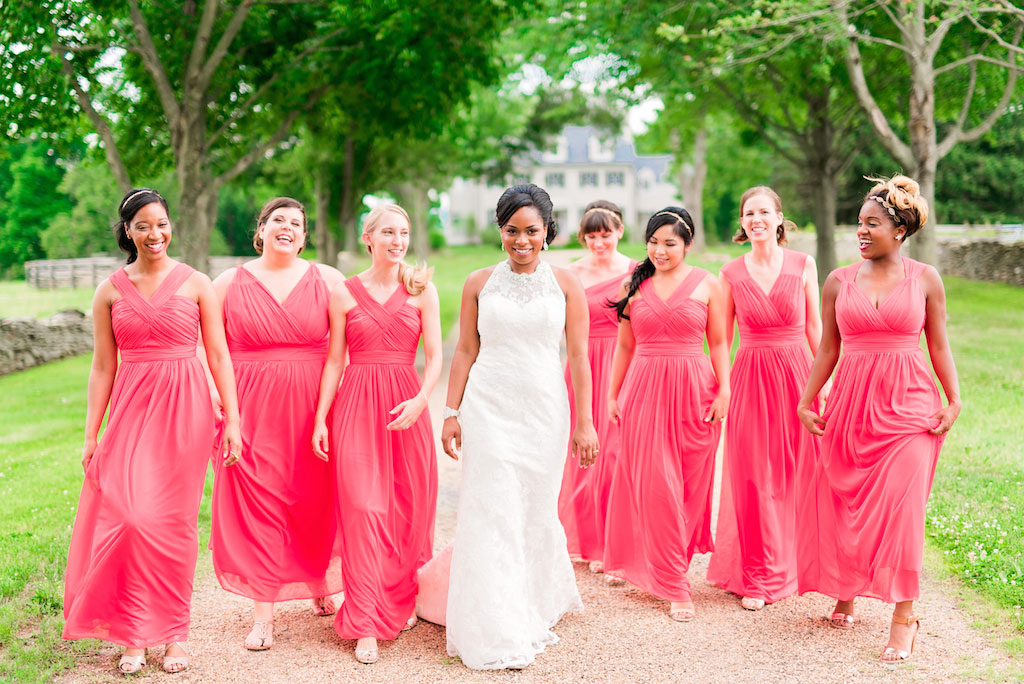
(899,237)
(544,247)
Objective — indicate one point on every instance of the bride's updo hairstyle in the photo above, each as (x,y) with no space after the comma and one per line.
(901,198)
(527,195)
(682,226)
(414,278)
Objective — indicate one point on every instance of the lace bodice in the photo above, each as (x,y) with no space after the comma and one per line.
(521,314)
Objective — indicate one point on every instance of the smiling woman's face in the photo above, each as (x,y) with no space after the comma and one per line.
(522,237)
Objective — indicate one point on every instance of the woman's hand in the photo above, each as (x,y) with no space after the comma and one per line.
(719,407)
(232,446)
(408,411)
(88,449)
(451,437)
(584,444)
(946,417)
(321,441)
(613,410)
(814,423)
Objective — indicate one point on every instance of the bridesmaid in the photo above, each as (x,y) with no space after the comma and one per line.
(381,441)
(884,423)
(134,545)
(672,400)
(270,539)
(769,457)
(583,498)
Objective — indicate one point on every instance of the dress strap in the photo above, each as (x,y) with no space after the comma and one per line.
(912,268)
(694,278)
(793,262)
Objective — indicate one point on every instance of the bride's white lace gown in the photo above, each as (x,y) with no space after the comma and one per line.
(511,577)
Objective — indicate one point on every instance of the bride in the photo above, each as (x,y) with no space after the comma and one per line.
(508,413)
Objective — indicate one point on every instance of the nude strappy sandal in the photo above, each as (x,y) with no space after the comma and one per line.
(261,637)
(174,664)
(894,654)
(131,664)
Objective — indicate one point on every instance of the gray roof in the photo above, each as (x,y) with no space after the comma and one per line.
(578,152)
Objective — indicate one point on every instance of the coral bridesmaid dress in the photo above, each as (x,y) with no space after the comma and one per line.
(769,456)
(386,480)
(274,527)
(863,520)
(583,499)
(659,508)
(134,546)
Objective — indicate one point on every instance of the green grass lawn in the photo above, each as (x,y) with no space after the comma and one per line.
(975,517)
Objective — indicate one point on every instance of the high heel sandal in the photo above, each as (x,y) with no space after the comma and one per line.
(682,614)
(842,620)
(261,637)
(131,664)
(324,606)
(749,603)
(896,655)
(174,664)
(410,623)
(367,656)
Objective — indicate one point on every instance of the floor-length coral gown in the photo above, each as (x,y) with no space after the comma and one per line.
(274,533)
(769,456)
(386,480)
(862,523)
(583,499)
(659,508)
(134,545)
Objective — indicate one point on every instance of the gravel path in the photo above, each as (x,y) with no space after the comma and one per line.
(623,636)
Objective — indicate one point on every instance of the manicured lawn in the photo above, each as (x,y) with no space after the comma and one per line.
(975,518)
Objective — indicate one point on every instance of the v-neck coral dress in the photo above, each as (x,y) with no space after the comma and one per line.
(769,455)
(659,507)
(386,479)
(583,499)
(134,545)
(862,524)
(274,534)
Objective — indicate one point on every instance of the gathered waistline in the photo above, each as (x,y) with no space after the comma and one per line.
(141,355)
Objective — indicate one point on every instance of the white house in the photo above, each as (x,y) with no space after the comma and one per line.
(582,169)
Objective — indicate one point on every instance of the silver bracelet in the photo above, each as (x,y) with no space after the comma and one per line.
(449,412)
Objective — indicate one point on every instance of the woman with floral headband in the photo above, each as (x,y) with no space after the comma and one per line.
(669,399)
(583,499)
(884,423)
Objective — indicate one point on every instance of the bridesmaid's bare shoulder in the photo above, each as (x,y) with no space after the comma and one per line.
(930,280)
(332,276)
(106,294)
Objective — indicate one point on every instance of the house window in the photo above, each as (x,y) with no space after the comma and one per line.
(615,178)
(588,178)
(555,180)
(521,179)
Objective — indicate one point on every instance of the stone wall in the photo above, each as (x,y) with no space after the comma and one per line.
(27,342)
(984,260)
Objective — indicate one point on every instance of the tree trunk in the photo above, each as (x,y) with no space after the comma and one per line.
(692,174)
(414,199)
(198,214)
(346,220)
(824,210)
(321,227)
(924,243)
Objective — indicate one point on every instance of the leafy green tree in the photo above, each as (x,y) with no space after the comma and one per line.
(31,204)
(86,229)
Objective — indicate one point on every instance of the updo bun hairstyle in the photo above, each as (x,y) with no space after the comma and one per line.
(131,203)
(901,198)
(527,195)
(780,232)
(682,225)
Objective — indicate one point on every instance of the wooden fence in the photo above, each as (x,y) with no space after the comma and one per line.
(51,274)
